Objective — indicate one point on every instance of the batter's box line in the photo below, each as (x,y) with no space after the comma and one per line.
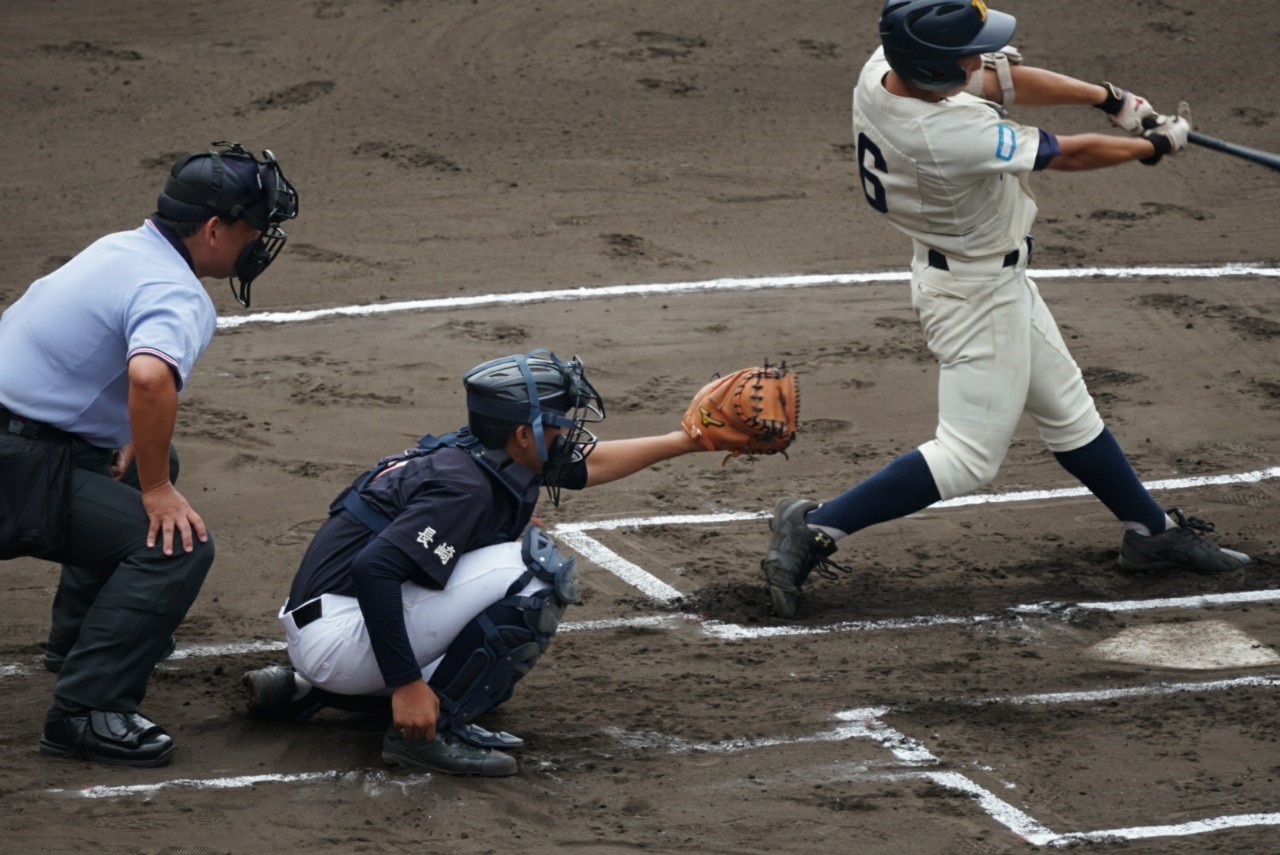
(865,723)
(728,284)
(1035,833)
(737,632)
(574,535)
(868,723)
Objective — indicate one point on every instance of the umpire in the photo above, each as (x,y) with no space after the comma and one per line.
(93,358)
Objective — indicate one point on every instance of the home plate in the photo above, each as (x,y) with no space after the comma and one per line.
(1199,645)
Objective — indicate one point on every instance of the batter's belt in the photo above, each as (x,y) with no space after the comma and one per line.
(939,261)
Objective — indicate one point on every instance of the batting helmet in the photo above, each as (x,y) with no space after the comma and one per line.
(234,185)
(536,389)
(923,39)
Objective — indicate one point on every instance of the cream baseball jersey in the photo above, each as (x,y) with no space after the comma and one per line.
(953,174)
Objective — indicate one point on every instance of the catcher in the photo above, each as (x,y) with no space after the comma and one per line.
(427,594)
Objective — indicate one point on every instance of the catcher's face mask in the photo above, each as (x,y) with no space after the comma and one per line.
(542,391)
(578,441)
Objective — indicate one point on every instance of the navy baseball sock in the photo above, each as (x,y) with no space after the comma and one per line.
(1102,467)
(903,487)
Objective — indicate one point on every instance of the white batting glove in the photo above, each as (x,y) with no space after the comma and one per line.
(1126,110)
(1168,133)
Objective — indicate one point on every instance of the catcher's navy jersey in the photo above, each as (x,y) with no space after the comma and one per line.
(441,505)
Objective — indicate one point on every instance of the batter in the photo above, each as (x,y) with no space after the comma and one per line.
(939,157)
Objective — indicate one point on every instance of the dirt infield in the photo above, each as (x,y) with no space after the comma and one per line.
(959,692)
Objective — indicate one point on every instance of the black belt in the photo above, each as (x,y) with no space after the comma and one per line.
(939,261)
(307,613)
(21,426)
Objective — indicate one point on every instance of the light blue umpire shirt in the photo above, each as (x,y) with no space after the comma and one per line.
(65,345)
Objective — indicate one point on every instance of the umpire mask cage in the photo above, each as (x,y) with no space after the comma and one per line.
(233,184)
(924,39)
(538,389)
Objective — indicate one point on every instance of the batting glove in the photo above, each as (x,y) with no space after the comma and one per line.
(1126,110)
(1168,133)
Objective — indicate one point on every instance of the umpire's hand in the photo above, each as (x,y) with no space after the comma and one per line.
(170,514)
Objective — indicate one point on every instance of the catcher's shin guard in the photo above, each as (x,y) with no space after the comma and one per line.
(504,642)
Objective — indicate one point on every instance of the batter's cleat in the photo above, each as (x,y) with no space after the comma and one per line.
(56,654)
(448,753)
(795,550)
(270,691)
(113,738)
(1182,547)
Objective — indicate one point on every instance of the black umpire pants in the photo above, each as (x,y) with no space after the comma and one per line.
(118,602)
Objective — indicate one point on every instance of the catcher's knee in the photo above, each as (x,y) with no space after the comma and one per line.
(506,640)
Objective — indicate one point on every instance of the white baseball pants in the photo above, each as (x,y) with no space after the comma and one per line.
(1000,353)
(334,651)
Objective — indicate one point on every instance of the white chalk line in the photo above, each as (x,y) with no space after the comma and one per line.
(861,723)
(574,534)
(1268,681)
(726,284)
(370,781)
(737,632)
(1185,483)
(905,750)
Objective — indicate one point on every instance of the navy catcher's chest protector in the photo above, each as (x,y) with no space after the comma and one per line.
(497,464)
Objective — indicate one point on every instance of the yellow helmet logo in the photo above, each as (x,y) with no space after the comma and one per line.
(982,9)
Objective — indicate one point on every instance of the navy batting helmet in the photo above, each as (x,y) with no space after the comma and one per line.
(536,388)
(923,39)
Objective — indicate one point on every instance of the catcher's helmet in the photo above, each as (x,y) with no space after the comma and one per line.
(923,39)
(536,389)
(234,185)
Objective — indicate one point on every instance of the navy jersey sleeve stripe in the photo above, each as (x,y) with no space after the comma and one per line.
(1049,149)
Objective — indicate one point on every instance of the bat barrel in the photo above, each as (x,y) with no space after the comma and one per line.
(1265,158)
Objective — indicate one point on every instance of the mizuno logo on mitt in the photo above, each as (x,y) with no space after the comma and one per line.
(708,420)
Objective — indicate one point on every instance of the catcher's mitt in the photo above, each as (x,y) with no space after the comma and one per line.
(751,411)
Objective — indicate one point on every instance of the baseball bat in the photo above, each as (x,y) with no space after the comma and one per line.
(1265,158)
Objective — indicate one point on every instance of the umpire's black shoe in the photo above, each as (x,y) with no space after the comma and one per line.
(1182,547)
(447,753)
(114,738)
(56,654)
(794,551)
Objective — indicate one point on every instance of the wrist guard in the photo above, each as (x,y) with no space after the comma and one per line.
(1114,101)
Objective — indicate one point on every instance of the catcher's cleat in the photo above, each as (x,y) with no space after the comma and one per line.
(795,550)
(270,690)
(1182,547)
(448,753)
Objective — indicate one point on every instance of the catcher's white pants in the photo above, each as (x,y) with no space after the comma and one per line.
(1000,353)
(334,651)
